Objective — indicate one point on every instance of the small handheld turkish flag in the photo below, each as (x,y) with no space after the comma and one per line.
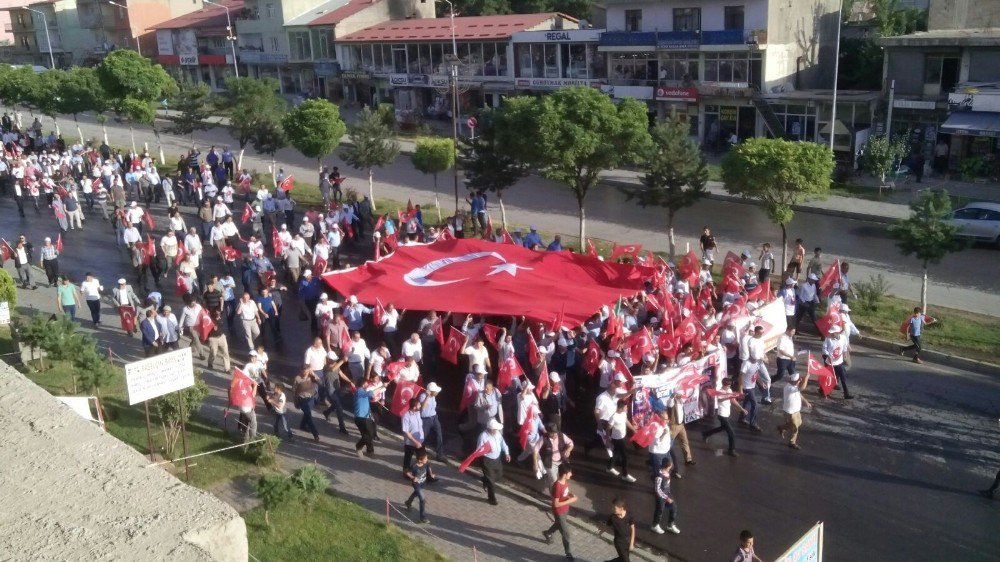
(286,184)
(205,325)
(127,316)
(345,343)
(378,312)
(453,345)
(526,426)
(180,287)
(148,217)
(509,368)
(638,344)
(507,238)
(319,265)
(483,450)
(242,391)
(247,213)
(230,253)
(668,345)
(592,358)
(401,397)
(379,223)
(489,228)
(469,393)
(392,369)
(647,433)
(6,250)
(830,282)
(491,334)
(827,321)
(533,355)
(631,250)
(445,234)
(543,380)
(622,369)
(825,376)
(181,253)
(733,266)
(59,243)
(276,243)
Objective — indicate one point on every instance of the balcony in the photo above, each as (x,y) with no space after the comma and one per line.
(679,40)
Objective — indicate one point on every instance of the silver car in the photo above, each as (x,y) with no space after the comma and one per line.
(979,221)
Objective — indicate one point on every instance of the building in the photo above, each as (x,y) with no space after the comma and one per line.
(945,82)
(750,68)
(549,59)
(196,47)
(31,42)
(293,40)
(407,62)
(7,31)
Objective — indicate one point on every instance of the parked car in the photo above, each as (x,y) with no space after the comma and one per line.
(979,221)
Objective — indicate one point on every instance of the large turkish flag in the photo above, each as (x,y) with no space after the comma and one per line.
(483,277)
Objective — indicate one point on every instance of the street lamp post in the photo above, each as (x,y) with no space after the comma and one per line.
(138,48)
(454,60)
(232,34)
(48,41)
(836,69)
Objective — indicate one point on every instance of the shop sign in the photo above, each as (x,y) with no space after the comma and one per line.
(328,68)
(257,57)
(676,94)
(914,104)
(355,75)
(554,82)
(558,36)
(964,101)
(189,60)
(678,43)
(727,114)
(409,79)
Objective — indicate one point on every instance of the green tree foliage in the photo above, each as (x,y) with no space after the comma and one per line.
(311,481)
(44,96)
(574,134)
(861,59)
(81,91)
(268,137)
(8,290)
(779,174)
(676,172)
(372,146)
(314,128)
(882,153)
(926,234)
(275,490)
(485,162)
(132,85)
(253,105)
(434,155)
(192,103)
(17,85)
(173,412)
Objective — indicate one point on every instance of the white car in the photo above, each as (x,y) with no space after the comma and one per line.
(979,221)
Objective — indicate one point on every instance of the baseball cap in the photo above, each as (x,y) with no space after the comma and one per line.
(121,281)
(332,356)
(253,354)
(495,425)
(554,377)
(813,277)
(789,281)
(433,387)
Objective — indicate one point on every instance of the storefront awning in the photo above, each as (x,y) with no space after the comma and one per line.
(972,123)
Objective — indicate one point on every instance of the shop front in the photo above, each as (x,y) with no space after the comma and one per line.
(549,60)
(266,65)
(678,101)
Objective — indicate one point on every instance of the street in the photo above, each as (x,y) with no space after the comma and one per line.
(893,473)
(969,280)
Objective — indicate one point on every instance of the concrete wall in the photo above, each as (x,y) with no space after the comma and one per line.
(807,29)
(659,16)
(906,67)
(73,492)
(963,14)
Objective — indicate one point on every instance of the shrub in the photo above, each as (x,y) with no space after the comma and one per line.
(972,167)
(311,481)
(264,452)
(171,416)
(8,289)
(275,490)
(872,291)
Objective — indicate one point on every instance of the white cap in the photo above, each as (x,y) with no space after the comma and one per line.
(612,353)
(332,356)
(253,353)
(352,299)
(789,281)
(433,387)
(793,376)
(554,377)
(479,369)
(47,239)
(648,358)
(121,281)
(844,307)
(323,296)
(620,378)
(835,329)
(813,277)
(562,342)
(284,227)
(307,273)
(134,204)
(494,425)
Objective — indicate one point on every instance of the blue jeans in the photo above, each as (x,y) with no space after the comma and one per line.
(281,422)
(841,373)
(418,494)
(307,423)
(750,405)
(432,426)
(655,462)
(661,506)
(785,366)
(70,310)
(336,403)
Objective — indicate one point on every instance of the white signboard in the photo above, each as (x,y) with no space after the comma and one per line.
(4,313)
(159,375)
(188,60)
(164,42)
(187,43)
(809,548)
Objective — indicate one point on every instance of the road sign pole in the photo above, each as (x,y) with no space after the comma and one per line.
(149,434)
(184,440)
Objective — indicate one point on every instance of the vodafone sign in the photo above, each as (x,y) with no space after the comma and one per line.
(676,94)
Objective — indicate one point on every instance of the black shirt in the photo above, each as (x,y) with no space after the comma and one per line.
(622,527)
(708,242)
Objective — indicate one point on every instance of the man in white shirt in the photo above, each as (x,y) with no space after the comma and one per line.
(189,322)
(751,369)
(834,347)
(807,300)
(791,403)
(786,354)
(413,348)
(356,357)
(91,289)
(478,355)
(789,299)
(390,321)
(249,315)
(659,449)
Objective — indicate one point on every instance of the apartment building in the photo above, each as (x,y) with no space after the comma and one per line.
(197,47)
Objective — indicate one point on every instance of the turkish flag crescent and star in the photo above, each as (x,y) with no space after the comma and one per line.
(242,390)
(483,277)
(592,358)
(453,345)
(825,376)
(509,369)
(401,397)
(481,451)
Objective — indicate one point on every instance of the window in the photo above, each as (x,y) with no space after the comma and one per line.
(678,67)
(726,67)
(298,43)
(274,44)
(687,19)
(633,20)
(932,70)
(733,17)
(323,43)
(633,69)
(574,61)
(551,60)
(365,52)
(269,10)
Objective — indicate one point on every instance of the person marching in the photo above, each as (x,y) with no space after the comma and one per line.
(792,401)
(419,472)
(561,500)
(913,327)
(664,500)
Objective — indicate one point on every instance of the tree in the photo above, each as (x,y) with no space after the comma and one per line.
(372,145)
(16,85)
(861,59)
(433,156)
(574,134)
(676,173)
(80,91)
(881,155)
(45,95)
(268,138)
(487,166)
(191,102)
(779,174)
(253,104)
(927,234)
(174,412)
(314,128)
(133,84)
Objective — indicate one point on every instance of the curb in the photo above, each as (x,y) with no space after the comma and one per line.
(800,208)
(938,357)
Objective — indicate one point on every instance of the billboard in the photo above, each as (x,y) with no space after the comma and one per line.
(159,375)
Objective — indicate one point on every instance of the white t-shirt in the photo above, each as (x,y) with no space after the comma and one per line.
(786,347)
(315,357)
(359,351)
(834,348)
(606,405)
(618,424)
(755,349)
(416,350)
(788,297)
(661,443)
(723,407)
(91,289)
(409,374)
(279,403)
(792,399)
(477,355)
(389,320)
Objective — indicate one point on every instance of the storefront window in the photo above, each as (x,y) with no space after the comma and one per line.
(491,59)
(799,121)
(551,60)
(366,57)
(633,69)
(727,67)
(574,56)
(437,58)
(678,67)
(598,62)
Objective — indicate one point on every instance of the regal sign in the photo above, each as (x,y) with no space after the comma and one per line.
(672,93)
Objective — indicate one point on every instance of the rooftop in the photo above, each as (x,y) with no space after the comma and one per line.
(208,17)
(466,28)
(982,37)
(334,12)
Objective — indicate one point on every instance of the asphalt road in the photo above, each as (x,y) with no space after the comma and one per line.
(893,473)
(969,280)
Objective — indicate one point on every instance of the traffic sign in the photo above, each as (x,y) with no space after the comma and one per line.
(472,122)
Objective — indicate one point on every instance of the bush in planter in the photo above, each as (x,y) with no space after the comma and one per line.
(8,289)
(275,490)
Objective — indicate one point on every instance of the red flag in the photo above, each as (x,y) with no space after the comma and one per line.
(615,329)
(379,223)
(6,249)
(347,228)
(830,282)
(488,234)
(205,325)
(687,330)
(485,449)
(148,217)
(276,242)
(59,243)
(345,342)
(247,213)
(533,354)
(526,426)
(722,396)
(733,266)
(631,250)
(378,313)
(507,238)
(445,234)
(622,369)
(230,253)
(688,268)
(180,286)
(509,368)
(438,332)
(181,253)
(147,250)
(825,322)
(760,292)
(409,207)
(469,393)
(319,265)
(402,395)
(453,345)
(543,380)
(592,358)
(392,241)
(266,276)
(646,434)
(557,323)
(127,316)
(242,391)
(710,334)
(491,334)
(591,250)
(668,344)
(286,184)
(638,344)
(825,376)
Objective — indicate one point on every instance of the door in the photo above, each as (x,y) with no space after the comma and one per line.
(747,123)
(965,220)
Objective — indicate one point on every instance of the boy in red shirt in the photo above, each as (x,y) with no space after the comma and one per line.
(561,500)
